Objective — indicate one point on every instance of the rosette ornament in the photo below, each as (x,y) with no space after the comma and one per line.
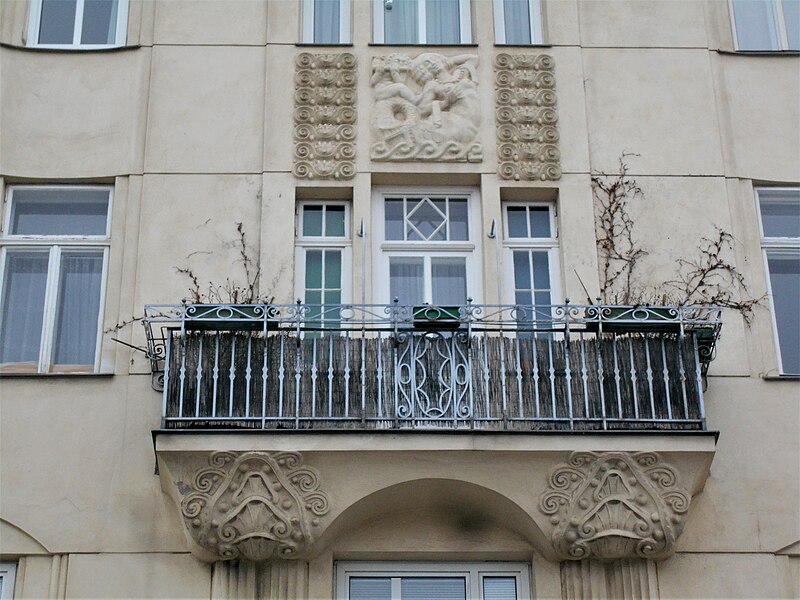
(254,505)
(614,505)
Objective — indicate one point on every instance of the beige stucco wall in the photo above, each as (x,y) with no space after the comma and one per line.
(193,123)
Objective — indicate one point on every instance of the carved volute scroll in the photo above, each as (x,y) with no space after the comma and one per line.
(527,135)
(254,505)
(325,116)
(614,505)
(427,108)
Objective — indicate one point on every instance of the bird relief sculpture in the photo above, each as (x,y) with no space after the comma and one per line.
(426,108)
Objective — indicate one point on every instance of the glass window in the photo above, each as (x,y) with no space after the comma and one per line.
(52,262)
(779,209)
(518,22)
(766,24)
(78,23)
(8,572)
(326,21)
(430,22)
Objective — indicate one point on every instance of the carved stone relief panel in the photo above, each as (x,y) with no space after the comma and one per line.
(325,116)
(527,134)
(254,505)
(426,108)
(614,505)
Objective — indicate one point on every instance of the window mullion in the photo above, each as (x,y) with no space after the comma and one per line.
(780,25)
(49,312)
(422,22)
(78,30)
(344,21)
(465,22)
(377,21)
(308,21)
(397,589)
(499,22)
(427,278)
(535,13)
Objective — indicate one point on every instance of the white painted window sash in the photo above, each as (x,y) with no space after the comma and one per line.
(308,8)
(35,20)
(535,22)
(8,572)
(778,20)
(464,26)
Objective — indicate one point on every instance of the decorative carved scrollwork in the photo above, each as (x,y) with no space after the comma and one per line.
(527,136)
(325,116)
(254,505)
(615,505)
(426,108)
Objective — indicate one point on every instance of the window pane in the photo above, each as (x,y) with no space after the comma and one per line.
(23,306)
(426,221)
(326,22)
(541,270)
(541,298)
(99,21)
(755,25)
(517,18)
(523,298)
(522,270)
(314,269)
(370,588)
(517,222)
(312,221)
(784,276)
(78,308)
(406,280)
(499,588)
(780,213)
(433,588)
(333,269)
(540,221)
(59,211)
(58,22)
(449,281)
(459,221)
(442,22)
(791,15)
(334,221)
(394,219)
(400,23)
(313,297)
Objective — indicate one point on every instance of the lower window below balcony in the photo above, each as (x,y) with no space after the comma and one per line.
(432,581)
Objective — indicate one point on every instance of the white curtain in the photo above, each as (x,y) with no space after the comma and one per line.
(449,281)
(78,308)
(326,21)
(443,23)
(517,21)
(406,280)
(23,306)
(400,23)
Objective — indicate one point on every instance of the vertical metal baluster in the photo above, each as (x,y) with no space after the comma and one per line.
(380,377)
(486,376)
(297,380)
(503,379)
(199,375)
(215,376)
(598,348)
(167,357)
(232,374)
(395,360)
(347,374)
(617,378)
(264,380)
(519,377)
(536,376)
(330,377)
(552,375)
(699,374)
(682,370)
(314,379)
(633,380)
(363,381)
(182,374)
(281,373)
(247,376)
(665,375)
(584,373)
(568,376)
(649,376)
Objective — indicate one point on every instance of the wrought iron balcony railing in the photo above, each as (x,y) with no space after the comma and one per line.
(562,367)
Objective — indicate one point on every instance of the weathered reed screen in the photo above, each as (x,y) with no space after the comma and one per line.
(416,379)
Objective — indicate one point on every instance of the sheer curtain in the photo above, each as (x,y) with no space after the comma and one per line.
(449,281)
(78,308)
(400,23)
(23,306)
(406,280)
(517,21)
(326,21)
(443,23)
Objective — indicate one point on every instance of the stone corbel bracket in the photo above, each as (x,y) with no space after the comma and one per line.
(527,133)
(325,116)
(614,505)
(252,505)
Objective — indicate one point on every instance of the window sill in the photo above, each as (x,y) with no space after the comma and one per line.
(56,375)
(318,45)
(69,49)
(383,44)
(760,52)
(777,377)
(497,45)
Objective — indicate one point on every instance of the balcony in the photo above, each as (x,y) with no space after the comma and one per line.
(474,367)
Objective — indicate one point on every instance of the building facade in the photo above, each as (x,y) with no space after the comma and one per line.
(457,299)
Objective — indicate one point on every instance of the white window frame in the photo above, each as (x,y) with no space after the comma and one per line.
(35,21)
(384,249)
(465,23)
(308,7)
(780,29)
(56,245)
(305,243)
(8,573)
(551,245)
(788,245)
(536,25)
(473,572)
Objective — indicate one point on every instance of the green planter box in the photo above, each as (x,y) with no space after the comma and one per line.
(228,317)
(436,317)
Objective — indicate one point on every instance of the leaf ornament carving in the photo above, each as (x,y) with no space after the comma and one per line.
(325,116)
(526,116)
(614,505)
(254,505)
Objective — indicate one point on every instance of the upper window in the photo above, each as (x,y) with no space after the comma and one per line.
(780,238)
(429,22)
(518,22)
(78,23)
(432,581)
(53,258)
(7,573)
(326,21)
(766,24)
